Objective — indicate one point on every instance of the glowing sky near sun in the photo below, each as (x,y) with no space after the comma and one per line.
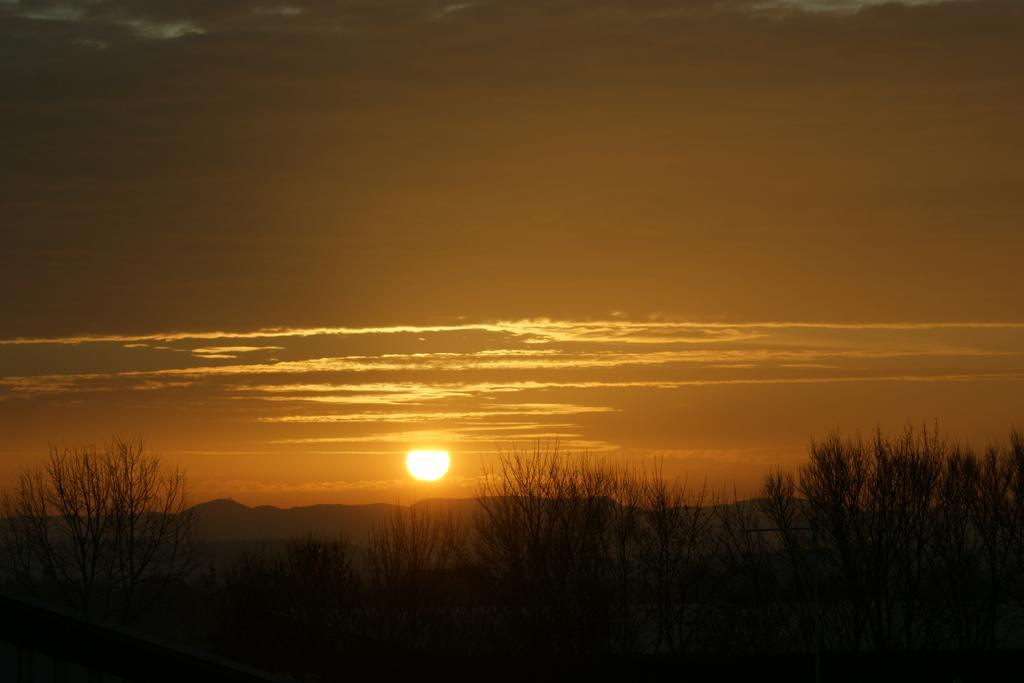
(287,243)
(331,412)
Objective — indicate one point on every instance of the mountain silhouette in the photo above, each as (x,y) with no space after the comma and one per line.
(225,520)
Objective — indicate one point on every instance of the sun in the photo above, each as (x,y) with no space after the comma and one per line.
(427,465)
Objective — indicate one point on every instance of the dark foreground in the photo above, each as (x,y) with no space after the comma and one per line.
(43,644)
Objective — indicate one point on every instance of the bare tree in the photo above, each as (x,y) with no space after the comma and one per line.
(105,531)
(755,606)
(294,609)
(544,533)
(918,536)
(676,542)
(410,560)
(593,558)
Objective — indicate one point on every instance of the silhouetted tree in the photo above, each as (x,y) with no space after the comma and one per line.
(103,530)
(897,542)
(294,609)
(676,543)
(412,561)
(543,535)
(914,542)
(593,558)
(754,609)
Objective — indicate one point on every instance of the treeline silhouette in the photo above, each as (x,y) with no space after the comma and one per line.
(908,542)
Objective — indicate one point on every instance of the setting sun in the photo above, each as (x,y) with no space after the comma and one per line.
(427,465)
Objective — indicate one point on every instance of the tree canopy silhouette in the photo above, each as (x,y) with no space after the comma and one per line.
(103,530)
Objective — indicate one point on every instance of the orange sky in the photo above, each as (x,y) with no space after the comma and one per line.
(286,242)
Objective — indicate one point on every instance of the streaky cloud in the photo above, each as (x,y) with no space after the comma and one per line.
(655,332)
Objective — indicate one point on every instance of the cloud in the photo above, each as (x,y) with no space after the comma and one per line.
(538,330)
(684,352)
(453,438)
(595,385)
(279,10)
(841,6)
(136,18)
(223,352)
(505,410)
